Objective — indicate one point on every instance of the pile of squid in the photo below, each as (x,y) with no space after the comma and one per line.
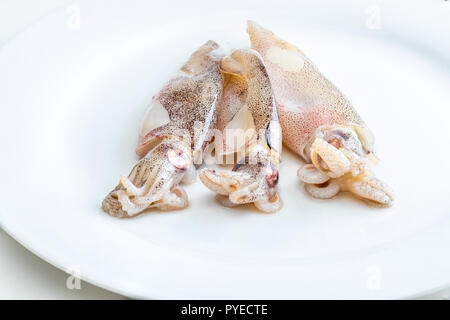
(234,110)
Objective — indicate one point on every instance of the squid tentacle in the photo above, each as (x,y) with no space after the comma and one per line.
(319,123)
(251,111)
(150,181)
(168,138)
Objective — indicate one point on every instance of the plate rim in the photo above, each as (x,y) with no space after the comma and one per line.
(4,225)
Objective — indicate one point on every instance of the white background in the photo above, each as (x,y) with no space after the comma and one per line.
(22,274)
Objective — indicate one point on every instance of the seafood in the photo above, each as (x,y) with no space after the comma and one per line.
(319,124)
(248,127)
(173,136)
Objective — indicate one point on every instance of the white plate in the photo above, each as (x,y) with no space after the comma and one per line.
(73,92)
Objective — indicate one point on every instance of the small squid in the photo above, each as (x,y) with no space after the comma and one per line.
(249,129)
(319,124)
(174,132)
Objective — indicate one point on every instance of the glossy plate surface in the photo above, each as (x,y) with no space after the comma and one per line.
(73,91)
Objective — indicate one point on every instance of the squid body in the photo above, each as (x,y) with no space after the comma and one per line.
(248,129)
(249,101)
(319,124)
(173,136)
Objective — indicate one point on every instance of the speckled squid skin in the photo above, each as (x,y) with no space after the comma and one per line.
(233,98)
(260,102)
(156,170)
(306,99)
(319,124)
(189,98)
(255,177)
(260,99)
(248,84)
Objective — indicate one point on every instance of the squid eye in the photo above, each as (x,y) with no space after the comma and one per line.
(272,179)
(240,163)
(335,142)
(337,135)
(178,159)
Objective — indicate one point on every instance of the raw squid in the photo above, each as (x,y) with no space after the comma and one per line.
(173,136)
(248,127)
(319,124)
